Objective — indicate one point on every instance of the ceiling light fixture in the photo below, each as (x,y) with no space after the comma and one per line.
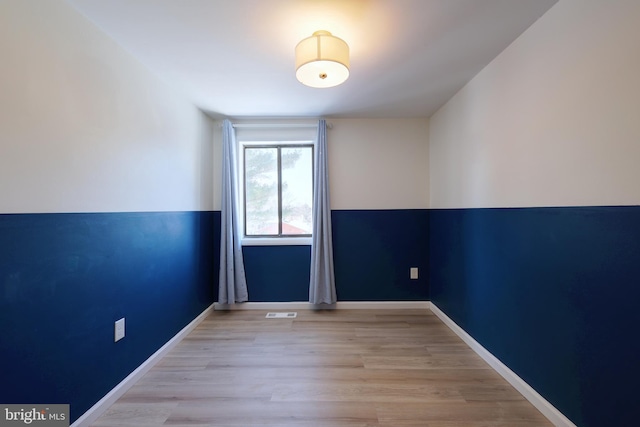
(322,60)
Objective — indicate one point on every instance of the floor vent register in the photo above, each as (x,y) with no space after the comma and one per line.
(289,315)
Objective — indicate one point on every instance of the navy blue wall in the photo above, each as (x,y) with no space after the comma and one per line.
(65,279)
(551,292)
(373,251)
(277,273)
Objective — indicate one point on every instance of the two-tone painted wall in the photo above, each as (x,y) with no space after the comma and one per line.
(534,221)
(105,208)
(379,199)
(379,195)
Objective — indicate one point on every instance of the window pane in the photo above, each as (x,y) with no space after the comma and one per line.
(297,189)
(261,191)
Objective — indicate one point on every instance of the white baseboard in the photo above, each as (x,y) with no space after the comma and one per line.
(340,305)
(547,409)
(110,398)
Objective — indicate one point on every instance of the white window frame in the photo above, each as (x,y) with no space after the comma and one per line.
(255,140)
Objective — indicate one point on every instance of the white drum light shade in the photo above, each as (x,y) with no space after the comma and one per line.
(322,60)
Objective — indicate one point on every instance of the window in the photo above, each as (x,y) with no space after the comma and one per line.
(275,181)
(278,189)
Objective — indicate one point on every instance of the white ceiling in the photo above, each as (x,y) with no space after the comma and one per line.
(235,58)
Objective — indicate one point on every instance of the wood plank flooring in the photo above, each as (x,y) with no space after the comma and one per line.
(338,368)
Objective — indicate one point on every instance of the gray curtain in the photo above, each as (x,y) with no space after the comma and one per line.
(322,289)
(233,284)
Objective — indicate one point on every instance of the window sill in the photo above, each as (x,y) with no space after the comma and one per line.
(276,241)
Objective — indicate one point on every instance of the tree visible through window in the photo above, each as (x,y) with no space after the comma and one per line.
(278,190)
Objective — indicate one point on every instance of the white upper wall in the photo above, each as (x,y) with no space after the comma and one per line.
(373,163)
(378,163)
(552,121)
(84,127)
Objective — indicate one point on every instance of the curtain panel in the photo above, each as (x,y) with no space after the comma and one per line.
(322,288)
(233,283)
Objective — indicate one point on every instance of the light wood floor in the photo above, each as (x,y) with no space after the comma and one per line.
(341,368)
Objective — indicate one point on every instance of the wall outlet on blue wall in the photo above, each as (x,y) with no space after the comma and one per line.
(119,330)
(413,273)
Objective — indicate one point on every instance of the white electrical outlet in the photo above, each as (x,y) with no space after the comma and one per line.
(413,273)
(119,330)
